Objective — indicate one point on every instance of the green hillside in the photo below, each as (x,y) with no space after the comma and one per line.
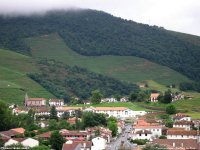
(14,82)
(125,68)
(96,33)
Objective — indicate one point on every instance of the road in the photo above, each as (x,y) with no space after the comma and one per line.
(114,145)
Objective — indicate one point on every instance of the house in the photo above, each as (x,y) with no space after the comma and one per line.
(44,136)
(178,144)
(35,102)
(26,142)
(56,102)
(12,132)
(118,112)
(145,130)
(29,142)
(100,132)
(77,145)
(71,110)
(78,135)
(13,141)
(187,125)
(108,100)
(124,99)
(98,143)
(154,97)
(181,116)
(182,134)
(42,111)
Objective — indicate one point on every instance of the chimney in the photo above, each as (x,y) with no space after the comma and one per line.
(174,144)
(181,144)
(84,145)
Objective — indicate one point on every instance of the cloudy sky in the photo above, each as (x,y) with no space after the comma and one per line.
(177,15)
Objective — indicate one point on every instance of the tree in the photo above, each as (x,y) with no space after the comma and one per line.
(52,124)
(53,113)
(56,140)
(64,125)
(5,116)
(133,97)
(66,115)
(154,147)
(113,127)
(78,113)
(42,147)
(170,109)
(169,123)
(96,97)
(117,97)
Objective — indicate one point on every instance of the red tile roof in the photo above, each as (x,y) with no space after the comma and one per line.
(56,100)
(188,144)
(19,130)
(88,144)
(110,108)
(143,132)
(154,95)
(183,122)
(36,99)
(45,135)
(181,132)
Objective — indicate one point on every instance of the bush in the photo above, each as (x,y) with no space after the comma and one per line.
(171,109)
(139,141)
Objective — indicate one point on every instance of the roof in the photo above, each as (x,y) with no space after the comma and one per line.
(181,132)
(75,144)
(42,109)
(19,139)
(183,122)
(141,123)
(19,130)
(68,108)
(155,94)
(177,143)
(45,135)
(8,133)
(36,99)
(143,132)
(73,133)
(110,108)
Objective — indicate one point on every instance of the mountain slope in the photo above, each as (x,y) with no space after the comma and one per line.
(95,33)
(14,82)
(125,68)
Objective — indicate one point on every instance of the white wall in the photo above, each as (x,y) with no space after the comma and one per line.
(98,143)
(30,142)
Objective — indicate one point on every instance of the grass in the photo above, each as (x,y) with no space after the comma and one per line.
(125,68)
(14,82)
(132,106)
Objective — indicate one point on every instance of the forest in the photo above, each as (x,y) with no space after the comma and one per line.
(95,33)
(67,82)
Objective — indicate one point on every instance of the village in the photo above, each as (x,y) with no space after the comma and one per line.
(128,129)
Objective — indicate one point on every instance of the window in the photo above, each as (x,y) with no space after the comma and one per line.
(145,134)
(140,134)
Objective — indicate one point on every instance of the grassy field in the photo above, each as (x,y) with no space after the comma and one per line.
(125,68)
(14,82)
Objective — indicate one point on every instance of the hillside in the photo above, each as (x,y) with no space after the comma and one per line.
(14,82)
(125,68)
(95,33)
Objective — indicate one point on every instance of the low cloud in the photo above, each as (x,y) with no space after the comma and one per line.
(178,15)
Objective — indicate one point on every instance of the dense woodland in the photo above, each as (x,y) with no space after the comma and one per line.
(66,82)
(91,32)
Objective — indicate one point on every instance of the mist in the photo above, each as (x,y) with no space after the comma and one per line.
(177,15)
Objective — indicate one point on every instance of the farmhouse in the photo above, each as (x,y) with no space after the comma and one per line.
(144,130)
(178,144)
(154,97)
(187,125)
(182,134)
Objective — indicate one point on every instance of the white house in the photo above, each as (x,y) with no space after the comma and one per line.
(71,110)
(182,134)
(144,130)
(11,142)
(29,142)
(108,100)
(154,97)
(187,125)
(118,112)
(181,117)
(56,102)
(143,134)
(98,143)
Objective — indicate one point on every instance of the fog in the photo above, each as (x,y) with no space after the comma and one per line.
(177,15)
